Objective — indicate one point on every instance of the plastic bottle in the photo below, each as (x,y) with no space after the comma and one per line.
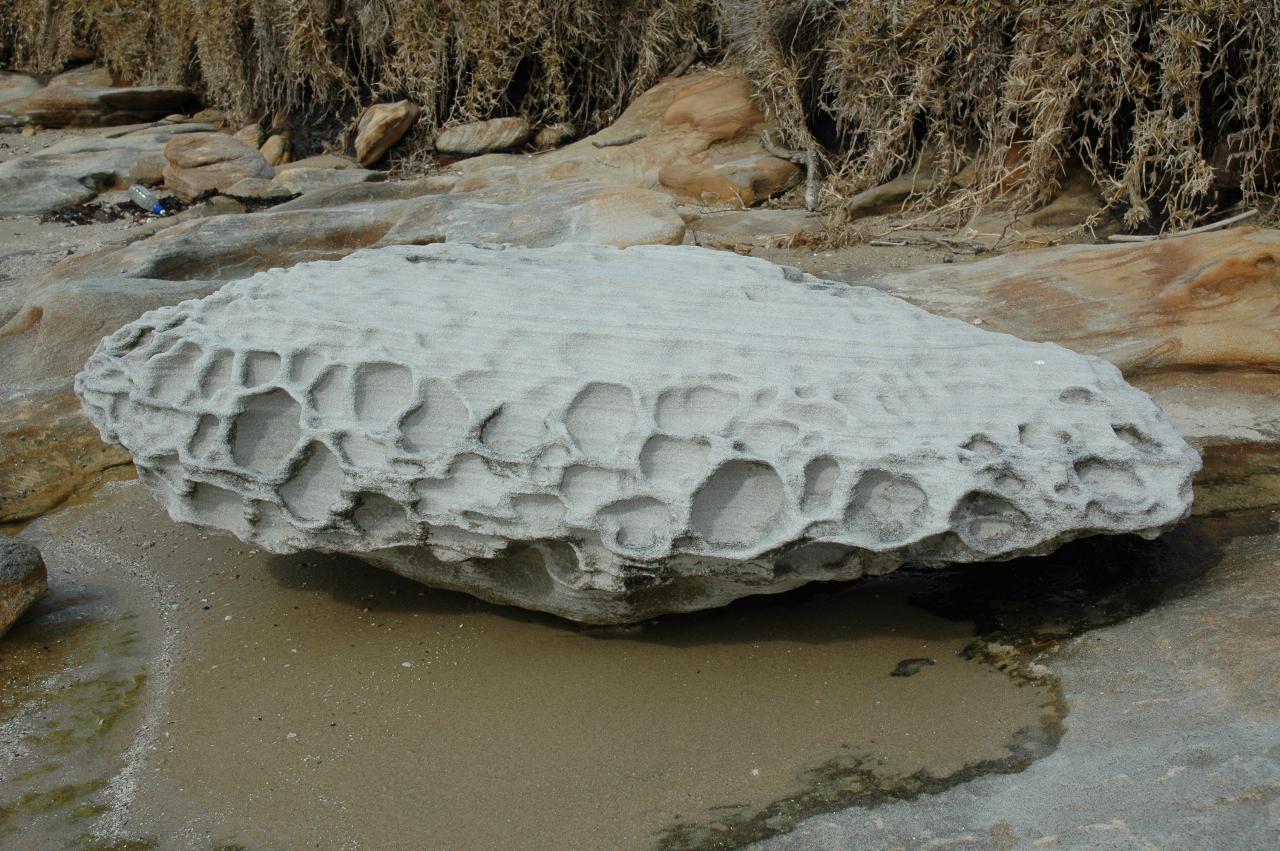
(143,198)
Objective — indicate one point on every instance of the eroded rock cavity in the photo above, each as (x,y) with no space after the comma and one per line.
(613,434)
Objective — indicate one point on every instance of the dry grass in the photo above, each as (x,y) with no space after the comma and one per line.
(579,61)
(1171,106)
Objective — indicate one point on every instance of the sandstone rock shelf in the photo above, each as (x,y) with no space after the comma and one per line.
(609,435)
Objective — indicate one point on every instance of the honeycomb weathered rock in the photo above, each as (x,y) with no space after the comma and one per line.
(611,434)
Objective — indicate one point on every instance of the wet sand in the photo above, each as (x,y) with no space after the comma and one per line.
(312,701)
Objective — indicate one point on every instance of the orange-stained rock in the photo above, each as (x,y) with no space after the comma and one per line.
(1208,301)
(716,105)
(741,182)
(705,116)
(48,449)
(381,126)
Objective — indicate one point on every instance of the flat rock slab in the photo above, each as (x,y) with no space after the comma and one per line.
(67,106)
(301,180)
(328,224)
(75,170)
(613,434)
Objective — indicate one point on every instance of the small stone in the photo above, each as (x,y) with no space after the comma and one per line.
(276,149)
(554,135)
(479,137)
(251,135)
(221,205)
(319,161)
(381,126)
(259,189)
(23,580)
(216,117)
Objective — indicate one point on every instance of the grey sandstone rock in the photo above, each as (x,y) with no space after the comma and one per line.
(297,181)
(15,89)
(62,105)
(613,434)
(381,126)
(258,189)
(496,134)
(76,169)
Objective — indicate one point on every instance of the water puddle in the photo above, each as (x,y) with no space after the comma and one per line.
(388,713)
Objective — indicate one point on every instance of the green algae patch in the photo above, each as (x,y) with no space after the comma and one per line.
(73,685)
(92,711)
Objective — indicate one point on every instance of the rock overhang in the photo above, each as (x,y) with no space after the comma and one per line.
(610,434)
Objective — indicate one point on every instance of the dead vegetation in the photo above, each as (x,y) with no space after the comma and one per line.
(575,61)
(1170,106)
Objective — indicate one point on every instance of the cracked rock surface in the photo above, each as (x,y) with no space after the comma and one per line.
(612,434)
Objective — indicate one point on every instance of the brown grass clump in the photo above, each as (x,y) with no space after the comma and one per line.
(578,61)
(1171,106)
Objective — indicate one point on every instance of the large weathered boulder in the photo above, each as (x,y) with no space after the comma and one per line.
(48,326)
(381,126)
(741,182)
(610,435)
(204,163)
(23,580)
(1195,303)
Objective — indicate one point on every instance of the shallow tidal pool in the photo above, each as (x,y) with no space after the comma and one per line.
(181,689)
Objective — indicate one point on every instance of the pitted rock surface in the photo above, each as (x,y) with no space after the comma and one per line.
(613,434)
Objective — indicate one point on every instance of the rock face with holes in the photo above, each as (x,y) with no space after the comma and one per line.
(613,434)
